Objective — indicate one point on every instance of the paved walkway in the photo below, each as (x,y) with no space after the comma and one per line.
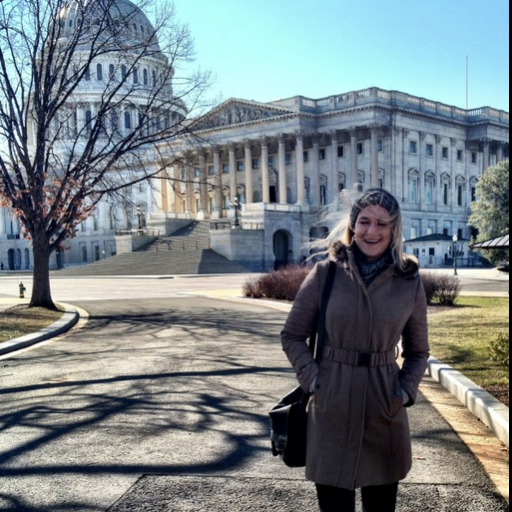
(487,449)
(160,405)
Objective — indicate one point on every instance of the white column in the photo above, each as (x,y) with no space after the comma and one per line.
(218,183)
(315,174)
(2,221)
(453,160)
(249,187)
(189,186)
(335,173)
(283,191)
(203,186)
(353,158)
(299,153)
(499,153)
(440,187)
(423,165)
(374,157)
(232,173)
(170,187)
(487,154)
(265,182)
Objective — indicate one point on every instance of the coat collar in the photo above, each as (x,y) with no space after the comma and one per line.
(344,255)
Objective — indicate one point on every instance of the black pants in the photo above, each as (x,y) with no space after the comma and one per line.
(375,499)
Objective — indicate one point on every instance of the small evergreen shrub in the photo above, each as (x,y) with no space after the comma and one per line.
(500,349)
(282,284)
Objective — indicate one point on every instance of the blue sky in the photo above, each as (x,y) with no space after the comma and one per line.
(273,49)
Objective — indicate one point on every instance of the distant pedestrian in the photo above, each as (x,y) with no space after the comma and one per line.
(2,265)
(358,428)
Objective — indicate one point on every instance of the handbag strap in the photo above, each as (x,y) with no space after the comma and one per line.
(317,339)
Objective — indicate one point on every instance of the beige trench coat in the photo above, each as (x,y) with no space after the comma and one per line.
(358,428)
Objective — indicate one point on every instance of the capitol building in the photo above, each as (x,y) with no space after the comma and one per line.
(266,176)
(286,163)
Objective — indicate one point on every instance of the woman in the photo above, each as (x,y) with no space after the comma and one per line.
(358,430)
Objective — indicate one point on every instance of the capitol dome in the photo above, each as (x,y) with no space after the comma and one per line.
(121,21)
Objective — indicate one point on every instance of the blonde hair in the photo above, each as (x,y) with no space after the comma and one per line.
(343,230)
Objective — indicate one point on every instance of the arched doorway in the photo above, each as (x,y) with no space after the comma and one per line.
(11,257)
(282,249)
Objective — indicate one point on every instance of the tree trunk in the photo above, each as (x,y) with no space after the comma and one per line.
(41,290)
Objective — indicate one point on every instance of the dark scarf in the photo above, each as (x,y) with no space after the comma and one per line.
(371,270)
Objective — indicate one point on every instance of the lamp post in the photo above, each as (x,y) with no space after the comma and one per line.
(236,206)
(455,240)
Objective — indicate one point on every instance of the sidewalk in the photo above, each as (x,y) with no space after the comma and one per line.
(482,443)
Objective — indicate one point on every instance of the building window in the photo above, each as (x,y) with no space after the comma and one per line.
(225,168)
(413,147)
(321,154)
(460,195)
(460,155)
(145,77)
(323,195)
(430,150)
(380,145)
(99,73)
(306,156)
(474,182)
(135,75)
(124,72)
(88,74)
(255,164)
(197,172)
(112,72)
(341,151)
(271,161)
(88,120)
(474,157)
(288,159)
(211,170)
(127,121)
(360,148)
(446,194)
(445,153)
(240,165)
(430,185)
(414,182)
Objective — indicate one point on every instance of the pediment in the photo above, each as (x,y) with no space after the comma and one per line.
(236,112)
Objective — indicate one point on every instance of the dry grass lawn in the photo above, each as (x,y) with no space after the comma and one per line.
(21,320)
(461,337)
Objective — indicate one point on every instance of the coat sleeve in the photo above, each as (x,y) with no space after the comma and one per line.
(298,328)
(416,349)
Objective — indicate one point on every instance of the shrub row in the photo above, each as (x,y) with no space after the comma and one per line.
(282,284)
(285,283)
(441,289)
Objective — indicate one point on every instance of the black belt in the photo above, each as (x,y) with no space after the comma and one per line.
(360,359)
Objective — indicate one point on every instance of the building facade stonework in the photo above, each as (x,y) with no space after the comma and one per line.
(286,163)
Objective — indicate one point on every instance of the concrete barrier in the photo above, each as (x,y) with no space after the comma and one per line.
(482,404)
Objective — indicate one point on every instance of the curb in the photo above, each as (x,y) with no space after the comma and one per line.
(490,411)
(69,319)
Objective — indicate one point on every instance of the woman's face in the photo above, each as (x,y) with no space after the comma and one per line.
(374,232)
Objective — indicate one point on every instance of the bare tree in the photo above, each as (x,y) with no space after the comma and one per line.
(91,95)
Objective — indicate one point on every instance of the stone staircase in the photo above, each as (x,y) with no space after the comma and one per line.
(186,252)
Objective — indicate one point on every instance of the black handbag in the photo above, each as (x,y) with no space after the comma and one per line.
(288,418)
